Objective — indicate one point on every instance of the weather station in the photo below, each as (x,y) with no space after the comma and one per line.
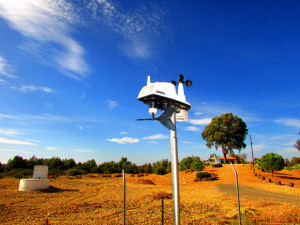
(163,96)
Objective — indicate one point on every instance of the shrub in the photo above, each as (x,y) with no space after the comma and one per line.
(74,172)
(160,171)
(294,167)
(198,166)
(217,165)
(20,173)
(202,175)
(187,163)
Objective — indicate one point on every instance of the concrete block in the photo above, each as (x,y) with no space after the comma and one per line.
(40,172)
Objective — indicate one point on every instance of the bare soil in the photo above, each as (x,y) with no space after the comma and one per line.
(95,199)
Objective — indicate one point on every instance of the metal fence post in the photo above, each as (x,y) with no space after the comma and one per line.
(124,198)
(162,210)
(238,193)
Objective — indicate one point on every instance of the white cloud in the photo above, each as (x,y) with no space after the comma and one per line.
(15,142)
(5,69)
(8,132)
(155,137)
(31,88)
(48,25)
(198,113)
(14,150)
(124,140)
(48,118)
(81,150)
(204,121)
(51,148)
(123,132)
(289,122)
(138,29)
(259,147)
(152,142)
(187,142)
(112,104)
(191,128)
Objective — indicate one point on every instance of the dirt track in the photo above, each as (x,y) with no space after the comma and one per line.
(247,192)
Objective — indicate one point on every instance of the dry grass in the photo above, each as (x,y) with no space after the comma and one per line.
(98,200)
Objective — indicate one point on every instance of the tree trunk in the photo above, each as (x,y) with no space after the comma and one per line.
(272,172)
(224,154)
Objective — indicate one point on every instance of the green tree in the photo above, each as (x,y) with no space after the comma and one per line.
(186,163)
(297,145)
(272,162)
(16,162)
(54,163)
(212,158)
(242,158)
(90,166)
(198,165)
(1,168)
(108,168)
(69,163)
(161,167)
(226,131)
(295,160)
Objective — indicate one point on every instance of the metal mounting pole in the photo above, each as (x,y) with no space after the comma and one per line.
(252,154)
(175,177)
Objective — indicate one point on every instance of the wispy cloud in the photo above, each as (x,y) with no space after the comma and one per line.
(5,69)
(47,118)
(8,132)
(32,88)
(81,150)
(198,113)
(289,122)
(191,128)
(112,104)
(14,150)
(124,132)
(51,148)
(124,140)
(155,137)
(204,121)
(48,26)
(15,142)
(187,142)
(138,29)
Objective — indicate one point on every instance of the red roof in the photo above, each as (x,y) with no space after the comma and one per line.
(228,157)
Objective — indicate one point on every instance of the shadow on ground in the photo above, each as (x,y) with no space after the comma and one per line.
(53,189)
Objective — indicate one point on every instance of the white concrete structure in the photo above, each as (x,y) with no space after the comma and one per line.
(39,181)
(33,184)
(40,172)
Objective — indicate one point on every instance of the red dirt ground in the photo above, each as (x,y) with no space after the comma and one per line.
(95,199)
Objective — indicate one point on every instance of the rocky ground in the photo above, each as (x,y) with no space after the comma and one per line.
(94,199)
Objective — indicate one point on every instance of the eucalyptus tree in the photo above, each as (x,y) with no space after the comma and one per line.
(227,132)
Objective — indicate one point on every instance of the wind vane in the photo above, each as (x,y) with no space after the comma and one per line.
(163,96)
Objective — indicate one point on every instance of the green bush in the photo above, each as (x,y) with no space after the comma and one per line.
(160,171)
(20,173)
(202,175)
(217,165)
(74,172)
(198,166)
(294,167)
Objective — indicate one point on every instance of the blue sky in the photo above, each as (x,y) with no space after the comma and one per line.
(71,71)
